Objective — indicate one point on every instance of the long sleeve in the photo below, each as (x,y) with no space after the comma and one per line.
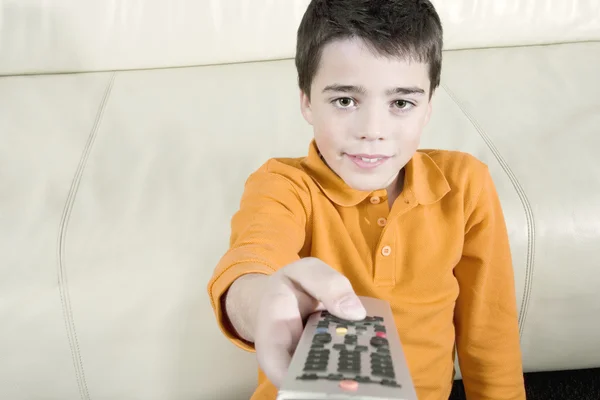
(267,233)
(487,334)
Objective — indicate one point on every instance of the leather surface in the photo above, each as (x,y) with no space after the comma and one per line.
(44,126)
(538,109)
(97,35)
(117,191)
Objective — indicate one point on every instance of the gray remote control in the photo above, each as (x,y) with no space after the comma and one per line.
(339,359)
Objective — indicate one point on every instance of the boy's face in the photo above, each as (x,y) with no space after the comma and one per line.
(368,112)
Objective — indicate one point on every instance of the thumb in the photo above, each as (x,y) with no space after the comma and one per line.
(348,306)
(329,287)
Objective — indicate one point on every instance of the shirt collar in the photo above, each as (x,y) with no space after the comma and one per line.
(423,178)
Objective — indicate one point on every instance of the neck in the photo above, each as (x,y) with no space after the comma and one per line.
(395,188)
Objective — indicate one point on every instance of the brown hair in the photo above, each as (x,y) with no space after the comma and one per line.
(397,28)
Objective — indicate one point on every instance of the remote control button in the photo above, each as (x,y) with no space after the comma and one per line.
(316,367)
(351,369)
(350,340)
(379,357)
(308,377)
(339,346)
(379,328)
(322,338)
(383,372)
(317,346)
(389,382)
(383,350)
(341,330)
(381,334)
(349,361)
(349,385)
(375,318)
(311,360)
(323,324)
(349,353)
(317,356)
(361,348)
(362,379)
(381,360)
(361,328)
(377,341)
(321,330)
(319,351)
(335,377)
(382,367)
(315,360)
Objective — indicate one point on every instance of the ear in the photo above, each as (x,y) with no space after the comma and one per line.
(305,107)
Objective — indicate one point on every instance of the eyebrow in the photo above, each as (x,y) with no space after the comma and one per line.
(361,90)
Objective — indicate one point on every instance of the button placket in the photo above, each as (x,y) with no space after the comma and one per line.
(383,268)
(385,264)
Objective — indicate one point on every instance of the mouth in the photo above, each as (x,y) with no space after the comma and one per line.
(367,161)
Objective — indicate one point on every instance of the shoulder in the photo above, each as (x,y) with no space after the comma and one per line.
(281,169)
(279,178)
(455,163)
(466,174)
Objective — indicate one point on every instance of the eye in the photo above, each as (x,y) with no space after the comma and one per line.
(403,104)
(344,102)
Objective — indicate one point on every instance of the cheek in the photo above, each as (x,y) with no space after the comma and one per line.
(329,128)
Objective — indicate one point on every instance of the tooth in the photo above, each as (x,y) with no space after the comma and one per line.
(371,160)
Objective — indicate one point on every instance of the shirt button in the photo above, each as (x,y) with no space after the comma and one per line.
(381,221)
(375,200)
(386,251)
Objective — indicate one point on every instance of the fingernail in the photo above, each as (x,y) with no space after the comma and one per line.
(352,307)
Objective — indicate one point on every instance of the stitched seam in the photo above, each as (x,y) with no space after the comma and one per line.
(63,284)
(307,211)
(284,58)
(529,266)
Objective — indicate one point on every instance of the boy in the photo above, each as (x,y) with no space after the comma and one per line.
(367,213)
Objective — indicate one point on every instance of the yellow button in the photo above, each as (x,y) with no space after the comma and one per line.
(381,221)
(375,200)
(386,251)
(341,330)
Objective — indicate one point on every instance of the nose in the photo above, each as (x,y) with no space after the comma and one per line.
(371,126)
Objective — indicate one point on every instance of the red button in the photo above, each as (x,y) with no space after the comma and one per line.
(380,334)
(349,385)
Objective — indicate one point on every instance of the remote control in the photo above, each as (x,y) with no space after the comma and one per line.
(340,359)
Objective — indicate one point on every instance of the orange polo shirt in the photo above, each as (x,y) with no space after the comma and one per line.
(440,256)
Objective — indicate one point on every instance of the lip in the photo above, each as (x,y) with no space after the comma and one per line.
(368,161)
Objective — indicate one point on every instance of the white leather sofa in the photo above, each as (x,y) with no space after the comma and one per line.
(128,128)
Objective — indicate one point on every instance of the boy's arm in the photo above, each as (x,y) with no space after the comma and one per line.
(487,332)
(267,233)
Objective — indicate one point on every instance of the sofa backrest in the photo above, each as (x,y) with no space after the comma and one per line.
(96,35)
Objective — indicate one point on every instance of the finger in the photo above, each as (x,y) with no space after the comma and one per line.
(280,328)
(329,287)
